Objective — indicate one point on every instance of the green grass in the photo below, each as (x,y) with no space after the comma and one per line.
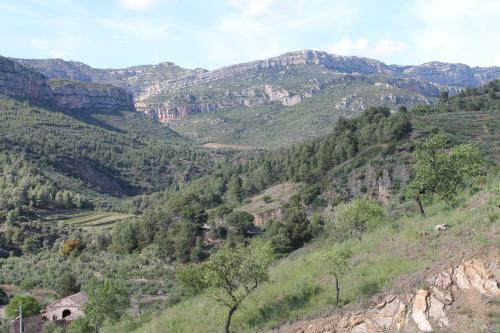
(300,286)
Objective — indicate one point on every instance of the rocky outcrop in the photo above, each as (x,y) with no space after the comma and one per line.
(424,311)
(261,219)
(183,105)
(20,82)
(17,81)
(136,79)
(378,181)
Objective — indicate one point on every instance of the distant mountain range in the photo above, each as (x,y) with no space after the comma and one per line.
(308,86)
(167,91)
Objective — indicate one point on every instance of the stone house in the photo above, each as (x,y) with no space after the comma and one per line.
(60,312)
(67,309)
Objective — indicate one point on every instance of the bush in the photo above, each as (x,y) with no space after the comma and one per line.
(70,246)
(29,304)
(239,223)
(267,198)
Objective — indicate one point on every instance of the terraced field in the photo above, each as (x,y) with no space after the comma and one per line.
(482,127)
(90,219)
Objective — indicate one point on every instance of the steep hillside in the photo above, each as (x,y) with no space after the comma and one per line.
(108,153)
(392,262)
(272,125)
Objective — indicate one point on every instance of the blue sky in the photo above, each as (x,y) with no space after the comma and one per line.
(215,33)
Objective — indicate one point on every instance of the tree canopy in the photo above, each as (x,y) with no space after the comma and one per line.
(29,304)
(358,216)
(441,171)
(107,300)
(230,274)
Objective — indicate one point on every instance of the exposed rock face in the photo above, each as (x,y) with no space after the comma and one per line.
(260,219)
(160,90)
(475,274)
(17,81)
(419,311)
(20,82)
(183,105)
(424,311)
(74,96)
(378,181)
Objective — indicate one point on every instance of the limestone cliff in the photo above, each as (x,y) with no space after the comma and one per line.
(21,82)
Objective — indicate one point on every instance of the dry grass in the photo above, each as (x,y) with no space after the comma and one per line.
(279,195)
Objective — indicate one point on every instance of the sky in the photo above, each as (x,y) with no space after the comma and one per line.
(215,33)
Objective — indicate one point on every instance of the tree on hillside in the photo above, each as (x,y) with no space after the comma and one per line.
(290,233)
(29,304)
(235,189)
(107,300)
(357,217)
(67,285)
(230,274)
(337,264)
(440,171)
(239,223)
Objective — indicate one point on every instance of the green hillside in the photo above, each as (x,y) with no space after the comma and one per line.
(274,125)
(386,260)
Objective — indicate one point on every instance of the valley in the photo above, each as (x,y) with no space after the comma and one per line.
(123,180)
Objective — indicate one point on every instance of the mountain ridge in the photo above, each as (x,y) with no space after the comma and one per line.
(165,91)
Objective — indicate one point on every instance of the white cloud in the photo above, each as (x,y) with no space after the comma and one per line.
(362,47)
(253,7)
(457,31)
(257,29)
(139,5)
(386,47)
(139,29)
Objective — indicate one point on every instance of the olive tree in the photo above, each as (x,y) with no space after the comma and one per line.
(107,300)
(440,171)
(230,274)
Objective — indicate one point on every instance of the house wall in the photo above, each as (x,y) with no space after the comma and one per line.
(31,324)
(56,313)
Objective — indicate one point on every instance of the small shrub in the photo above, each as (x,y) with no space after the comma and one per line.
(70,246)
(267,199)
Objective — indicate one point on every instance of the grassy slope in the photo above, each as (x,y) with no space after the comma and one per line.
(301,287)
(482,127)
